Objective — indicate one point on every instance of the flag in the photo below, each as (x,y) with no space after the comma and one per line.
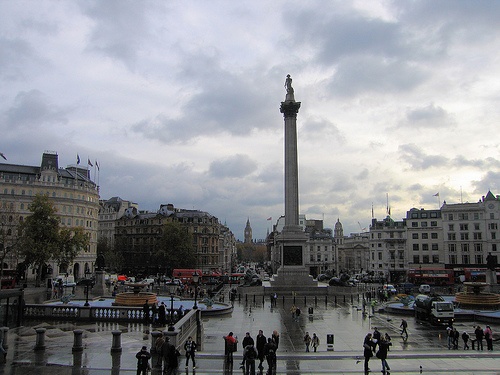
(97,164)
(269,218)
(436,195)
(89,163)
(77,159)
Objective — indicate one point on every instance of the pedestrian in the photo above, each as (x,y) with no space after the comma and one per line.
(307,341)
(270,353)
(172,360)
(293,310)
(230,343)
(479,337)
(450,335)
(275,299)
(404,326)
(247,340)
(145,309)
(261,342)
(154,313)
(162,314)
(164,353)
(383,348)
(456,338)
(2,349)
(373,304)
(276,338)
(465,338)
(190,348)
(249,355)
(143,357)
(315,342)
(488,336)
(368,347)
(388,339)
(375,337)
(160,340)
(297,314)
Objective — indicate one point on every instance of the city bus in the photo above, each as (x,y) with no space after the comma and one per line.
(233,278)
(478,275)
(9,279)
(431,276)
(186,274)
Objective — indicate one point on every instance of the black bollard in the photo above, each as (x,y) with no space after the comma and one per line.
(305,300)
(335,299)
(283,300)
(316,300)
(239,297)
(344,298)
(254,299)
(294,299)
(351,299)
(263,300)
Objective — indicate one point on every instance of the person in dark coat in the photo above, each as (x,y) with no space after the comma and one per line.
(261,342)
(247,340)
(465,337)
(143,361)
(162,314)
(250,354)
(270,353)
(479,337)
(190,348)
(276,338)
(383,348)
(368,346)
(145,309)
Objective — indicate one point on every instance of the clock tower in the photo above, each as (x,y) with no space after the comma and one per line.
(248,232)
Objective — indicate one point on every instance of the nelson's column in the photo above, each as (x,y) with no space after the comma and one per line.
(292,240)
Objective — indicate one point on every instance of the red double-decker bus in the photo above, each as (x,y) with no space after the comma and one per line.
(431,276)
(478,275)
(9,278)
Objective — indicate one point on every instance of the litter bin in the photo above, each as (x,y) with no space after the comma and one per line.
(311,310)
(329,342)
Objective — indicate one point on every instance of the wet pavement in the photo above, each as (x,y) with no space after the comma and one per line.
(425,351)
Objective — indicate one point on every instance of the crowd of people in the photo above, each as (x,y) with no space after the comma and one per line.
(376,344)
(260,349)
(476,342)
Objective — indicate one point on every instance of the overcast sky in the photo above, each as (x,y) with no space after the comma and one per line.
(179,102)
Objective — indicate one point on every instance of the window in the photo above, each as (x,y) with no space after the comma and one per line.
(492,216)
(425,259)
(425,247)
(476,215)
(478,247)
(435,259)
(434,223)
(434,236)
(434,214)
(493,235)
(414,224)
(494,247)
(425,236)
(379,235)
(415,247)
(476,226)
(424,215)
(452,247)
(379,256)
(451,227)
(464,236)
(452,237)
(478,235)
(478,258)
(465,258)
(450,217)
(423,224)
(493,226)
(463,216)
(452,258)
(465,247)
(416,259)
(464,226)
(435,247)
(414,236)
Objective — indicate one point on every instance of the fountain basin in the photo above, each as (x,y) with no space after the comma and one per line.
(135,299)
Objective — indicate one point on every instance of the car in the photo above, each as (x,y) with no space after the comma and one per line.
(390,288)
(66,281)
(147,281)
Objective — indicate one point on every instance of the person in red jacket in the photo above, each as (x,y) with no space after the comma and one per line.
(230,346)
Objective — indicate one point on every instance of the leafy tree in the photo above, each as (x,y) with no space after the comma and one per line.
(174,249)
(42,238)
(113,257)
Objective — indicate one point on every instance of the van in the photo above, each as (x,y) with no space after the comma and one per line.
(424,288)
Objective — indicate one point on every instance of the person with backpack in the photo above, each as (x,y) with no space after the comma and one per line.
(230,346)
(249,356)
(190,348)
(143,357)
(270,353)
(247,340)
(172,360)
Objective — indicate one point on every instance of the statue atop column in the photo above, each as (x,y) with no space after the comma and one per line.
(289,89)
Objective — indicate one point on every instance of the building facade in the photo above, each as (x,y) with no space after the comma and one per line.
(109,211)
(74,195)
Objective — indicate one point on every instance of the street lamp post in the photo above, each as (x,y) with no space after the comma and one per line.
(171,288)
(196,279)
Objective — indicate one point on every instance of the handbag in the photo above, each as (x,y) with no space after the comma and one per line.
(378,354)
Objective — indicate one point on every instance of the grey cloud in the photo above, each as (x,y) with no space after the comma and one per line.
(15,54)
(32,109)
(431,116)
(235,166)
(119,28)
(490,162)
(363,174)
(489,181)
(418,160)
(319,128)
(358,75)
